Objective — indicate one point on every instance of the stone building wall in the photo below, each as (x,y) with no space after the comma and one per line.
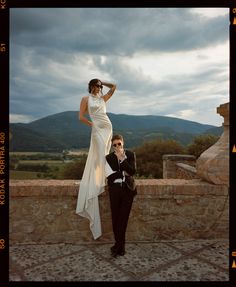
(44,211)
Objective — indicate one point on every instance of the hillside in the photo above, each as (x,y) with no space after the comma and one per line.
(64,131)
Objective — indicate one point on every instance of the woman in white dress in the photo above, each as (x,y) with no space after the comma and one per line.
(93,180)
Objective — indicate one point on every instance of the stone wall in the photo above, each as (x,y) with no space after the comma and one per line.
(172,168)
(185,171)
(44,211)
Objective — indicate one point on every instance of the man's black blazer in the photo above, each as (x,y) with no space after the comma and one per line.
(128,165)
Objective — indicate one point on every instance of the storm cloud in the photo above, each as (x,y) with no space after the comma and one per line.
(165,61)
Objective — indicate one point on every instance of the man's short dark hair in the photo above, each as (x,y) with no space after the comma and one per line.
(117,137)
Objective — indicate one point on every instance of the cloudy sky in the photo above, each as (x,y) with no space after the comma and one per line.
(165,61)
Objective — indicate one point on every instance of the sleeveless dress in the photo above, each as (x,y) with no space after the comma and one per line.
(93,180)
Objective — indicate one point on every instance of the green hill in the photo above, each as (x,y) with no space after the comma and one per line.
(64,131)
(26,139)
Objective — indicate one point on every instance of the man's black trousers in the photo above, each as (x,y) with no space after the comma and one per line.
(121,199)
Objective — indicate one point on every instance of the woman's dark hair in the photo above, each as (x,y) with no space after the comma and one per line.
(93,82)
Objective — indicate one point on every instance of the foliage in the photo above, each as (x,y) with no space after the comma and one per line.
(75,169)
(200,144)
(33,167)
(149,157)
(20,175)
(40,156)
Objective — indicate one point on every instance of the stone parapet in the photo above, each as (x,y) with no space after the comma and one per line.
(171,168)
(43,211)
(185,171)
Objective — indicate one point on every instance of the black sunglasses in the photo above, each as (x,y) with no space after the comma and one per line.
(99,86)
(118,144)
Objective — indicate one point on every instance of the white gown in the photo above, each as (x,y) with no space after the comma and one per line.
(93,180)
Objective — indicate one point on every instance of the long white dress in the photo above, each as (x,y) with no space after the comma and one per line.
(93,180)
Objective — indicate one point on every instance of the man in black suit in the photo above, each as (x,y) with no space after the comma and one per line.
(120,168)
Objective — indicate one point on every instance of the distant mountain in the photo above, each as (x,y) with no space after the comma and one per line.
(216,131)
(64,131)
(26,139)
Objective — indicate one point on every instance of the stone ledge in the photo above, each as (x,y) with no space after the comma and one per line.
(187,167)
(28,188)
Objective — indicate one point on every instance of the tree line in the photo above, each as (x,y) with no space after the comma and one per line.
(149,156)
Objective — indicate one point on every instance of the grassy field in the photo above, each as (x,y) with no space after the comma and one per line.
(30,153)
(38,165)
(15,174)
(36,162)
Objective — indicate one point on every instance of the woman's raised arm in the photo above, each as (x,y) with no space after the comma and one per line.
(112,87)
